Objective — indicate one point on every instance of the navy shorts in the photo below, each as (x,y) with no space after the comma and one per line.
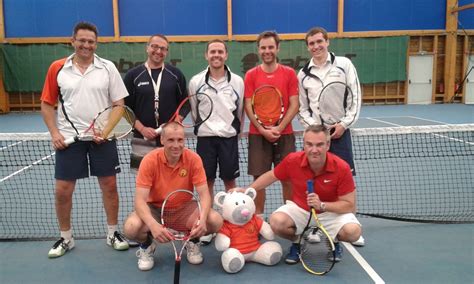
(219,151)
(342,147)
(74,162)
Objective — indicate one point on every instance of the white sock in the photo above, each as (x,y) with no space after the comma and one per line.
(67,235)
(111,229)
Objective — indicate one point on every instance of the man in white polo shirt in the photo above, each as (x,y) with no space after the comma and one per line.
(82,85)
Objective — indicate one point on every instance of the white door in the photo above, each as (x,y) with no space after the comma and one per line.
(470,82)
(420,73)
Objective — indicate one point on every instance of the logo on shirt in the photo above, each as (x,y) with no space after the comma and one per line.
(143,84)
(326,180)
(183,172)
(250,230)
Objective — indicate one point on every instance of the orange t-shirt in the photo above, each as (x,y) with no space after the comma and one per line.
(243,238)
(155,173)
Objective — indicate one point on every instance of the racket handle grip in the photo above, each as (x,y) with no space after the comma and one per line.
(310,186)
(159,130)
(70,140)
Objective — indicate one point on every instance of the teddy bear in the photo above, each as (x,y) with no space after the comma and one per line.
(239,236)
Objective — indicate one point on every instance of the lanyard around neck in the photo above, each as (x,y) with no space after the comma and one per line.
(156,89)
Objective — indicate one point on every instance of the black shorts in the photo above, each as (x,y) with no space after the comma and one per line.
(342,147)
(262,154)
(74,162)
(219,151)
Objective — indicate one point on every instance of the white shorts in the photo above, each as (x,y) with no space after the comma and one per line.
(332,222)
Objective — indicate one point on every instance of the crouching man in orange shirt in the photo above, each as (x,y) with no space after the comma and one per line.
(162,171)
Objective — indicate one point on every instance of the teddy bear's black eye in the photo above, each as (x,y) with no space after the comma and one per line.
(243,201)
(236,203)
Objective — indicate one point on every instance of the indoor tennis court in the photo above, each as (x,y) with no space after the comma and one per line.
(413,141)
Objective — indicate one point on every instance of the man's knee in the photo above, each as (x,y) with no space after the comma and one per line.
(350,232)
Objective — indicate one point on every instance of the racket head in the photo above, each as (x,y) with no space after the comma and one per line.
(202,106)
(114,122)
(180,212)
(332,97)
(317,257)
(267,105)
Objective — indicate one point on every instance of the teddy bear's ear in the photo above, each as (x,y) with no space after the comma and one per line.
(219,198)
(251,192)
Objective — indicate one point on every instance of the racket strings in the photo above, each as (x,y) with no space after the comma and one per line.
(179,212)
(267,105)
(203,106)
(318,256)
(334,100)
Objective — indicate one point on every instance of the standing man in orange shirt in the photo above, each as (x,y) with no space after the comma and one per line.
(162,171)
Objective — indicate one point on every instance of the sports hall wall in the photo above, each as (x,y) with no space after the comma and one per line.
(378,35)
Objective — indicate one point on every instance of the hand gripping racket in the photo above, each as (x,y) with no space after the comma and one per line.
(114,122)
(180,213)
(203,106)
(317,257)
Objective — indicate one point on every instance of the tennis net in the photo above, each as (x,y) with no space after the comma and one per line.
(421,173)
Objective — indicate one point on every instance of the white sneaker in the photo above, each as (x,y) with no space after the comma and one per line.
(117,241)
(61,247)
(145,257)
(360,242)
(314,236)
(207,239)
(193,253)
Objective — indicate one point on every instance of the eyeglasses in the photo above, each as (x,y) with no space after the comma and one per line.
(157,47)
(84,41)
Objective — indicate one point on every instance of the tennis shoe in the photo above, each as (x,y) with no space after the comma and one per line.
(293,256)
(145,257)
(193,253)
(117,241)
(207,239)
(61,247)
(314,236)
(360,242)
(338,253)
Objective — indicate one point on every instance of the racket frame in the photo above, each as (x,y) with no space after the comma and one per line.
(180,106)
(320,227)
(87,137)
(282,109)
(179,236)
(345,106)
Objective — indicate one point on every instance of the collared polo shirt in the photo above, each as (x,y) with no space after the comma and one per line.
(336,179)
(81,96)
(161,178)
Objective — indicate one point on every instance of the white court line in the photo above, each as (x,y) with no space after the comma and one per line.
(434,134)
(10,145)
(27,167)
(364,264)
(382,121)
(419,118)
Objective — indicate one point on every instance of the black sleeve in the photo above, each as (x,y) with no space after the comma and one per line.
(183,90)
(130,99)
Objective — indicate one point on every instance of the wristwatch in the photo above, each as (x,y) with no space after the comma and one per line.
(322,206)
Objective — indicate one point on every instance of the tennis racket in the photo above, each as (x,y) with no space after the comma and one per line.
(332,96)
(267,106)
(179,215)
(317,257)
(202,105)
(114,122)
